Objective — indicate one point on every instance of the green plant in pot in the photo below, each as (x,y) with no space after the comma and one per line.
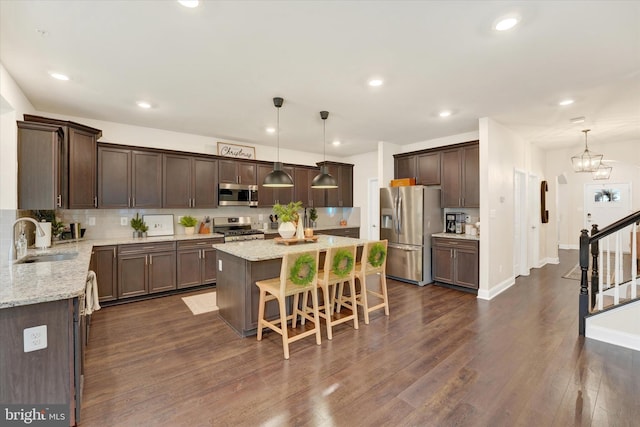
(288,215)
(137,223)
(189,224)
(313,217)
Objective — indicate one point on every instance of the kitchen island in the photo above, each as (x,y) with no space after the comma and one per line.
(241,264)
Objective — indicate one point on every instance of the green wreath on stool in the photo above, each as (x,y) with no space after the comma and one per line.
(342,263)
(303,270)
(377,255)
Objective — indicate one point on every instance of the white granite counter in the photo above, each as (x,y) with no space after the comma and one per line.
(261,250)
(457,236)
(32,283)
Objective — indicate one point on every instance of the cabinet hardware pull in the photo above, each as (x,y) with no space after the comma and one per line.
(193,203)
(146,260)
(95,201)
(150,259)
(114,252)
(134,202)
(149,247)
(204,254)
(128,202)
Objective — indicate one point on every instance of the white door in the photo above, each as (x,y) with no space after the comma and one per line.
(534,221)
(374,209)
(605,204)
(520,225)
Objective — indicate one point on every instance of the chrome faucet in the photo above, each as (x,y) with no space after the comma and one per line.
(12,247)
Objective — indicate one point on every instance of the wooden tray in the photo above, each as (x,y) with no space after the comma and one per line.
(294,241)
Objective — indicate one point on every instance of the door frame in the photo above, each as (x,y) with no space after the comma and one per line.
(534,221)
(373,209)
(520,237)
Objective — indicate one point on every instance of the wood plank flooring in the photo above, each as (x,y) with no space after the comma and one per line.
(442,358)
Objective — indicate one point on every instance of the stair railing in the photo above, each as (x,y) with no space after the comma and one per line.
(592,292)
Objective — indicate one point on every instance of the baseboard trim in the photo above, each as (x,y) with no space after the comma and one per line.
(496,290)
(565,246)
(611,336)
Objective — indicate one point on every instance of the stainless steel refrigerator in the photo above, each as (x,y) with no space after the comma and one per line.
(408,217)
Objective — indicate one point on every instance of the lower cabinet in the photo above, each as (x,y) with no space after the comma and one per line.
(455,261)
(196,262)
(104,263)
(353,232)
(146,268)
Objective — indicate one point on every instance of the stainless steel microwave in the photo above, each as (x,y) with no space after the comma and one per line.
(237,195)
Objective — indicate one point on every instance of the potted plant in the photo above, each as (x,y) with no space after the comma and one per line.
(313,217)
(137,223)
(189,224)
(288,215)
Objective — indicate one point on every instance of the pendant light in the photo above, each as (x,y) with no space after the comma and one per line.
(587,161)
(603,172)
(324,179)
(277,177)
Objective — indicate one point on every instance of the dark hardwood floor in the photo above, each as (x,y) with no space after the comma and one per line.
(442,358)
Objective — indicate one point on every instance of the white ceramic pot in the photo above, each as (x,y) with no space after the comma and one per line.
(287,230)
(189,230)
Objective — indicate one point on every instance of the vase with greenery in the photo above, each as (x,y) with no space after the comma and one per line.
(189,224)
(313,217)
(137,224)
(288,215)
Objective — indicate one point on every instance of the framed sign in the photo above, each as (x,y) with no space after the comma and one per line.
(236,151)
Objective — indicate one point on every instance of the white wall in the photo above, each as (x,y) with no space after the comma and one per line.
(365,168)
(624,157)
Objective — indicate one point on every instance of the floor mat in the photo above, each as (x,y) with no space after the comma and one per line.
(201,303)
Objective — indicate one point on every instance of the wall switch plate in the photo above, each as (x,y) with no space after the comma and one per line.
(35,338)
(92,220)
(123,220)
(219,265)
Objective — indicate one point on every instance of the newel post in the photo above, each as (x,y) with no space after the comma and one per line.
(595,269)
(583,299)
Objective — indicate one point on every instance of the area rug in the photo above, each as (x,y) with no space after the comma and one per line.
(575,273)
(201,303)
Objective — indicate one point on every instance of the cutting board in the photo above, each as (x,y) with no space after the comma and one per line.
(294,241)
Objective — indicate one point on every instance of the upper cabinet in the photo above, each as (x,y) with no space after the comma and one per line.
(129,178)
(460,176)
(424,167)
(310,197)
(343,195)
(269,196)
(56,153)
(189,181)
(237,172)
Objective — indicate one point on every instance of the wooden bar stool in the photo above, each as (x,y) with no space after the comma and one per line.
(339,267)
(372,262)
(298,275)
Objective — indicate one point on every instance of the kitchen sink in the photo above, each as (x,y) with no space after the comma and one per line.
(47,258)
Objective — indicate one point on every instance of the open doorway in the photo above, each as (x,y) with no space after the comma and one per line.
(520,224)
(373,231)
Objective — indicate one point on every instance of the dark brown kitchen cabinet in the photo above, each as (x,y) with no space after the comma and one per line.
(129,178)
(455,261)
(104,263)
(146,268)
(428,168)
(41,160)
(75,164)
(405,167)
(353,232)
(237,172)
(343,195)
(460,176)
(189,182)
(269,196)
(310,197)
(196,262)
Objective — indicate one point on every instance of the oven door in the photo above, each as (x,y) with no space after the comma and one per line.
(237,195)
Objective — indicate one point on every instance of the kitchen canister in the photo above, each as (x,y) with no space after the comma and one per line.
(44,241)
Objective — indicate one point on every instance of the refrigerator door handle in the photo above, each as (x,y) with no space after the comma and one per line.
(399,216)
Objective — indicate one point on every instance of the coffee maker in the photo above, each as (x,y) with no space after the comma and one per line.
(454,222)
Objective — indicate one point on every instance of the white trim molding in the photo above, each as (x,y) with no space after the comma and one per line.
(496,290)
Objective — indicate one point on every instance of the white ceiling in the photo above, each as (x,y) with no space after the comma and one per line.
(214,70)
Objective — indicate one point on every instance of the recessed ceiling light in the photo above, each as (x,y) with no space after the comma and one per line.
(506,24)
(189,3)
(270,130)
(577,120)
(336,143)
(59,76)
(143,104)
(565,102)
(375,82)
(444,113)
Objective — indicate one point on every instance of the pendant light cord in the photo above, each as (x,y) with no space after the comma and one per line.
(324,139)
(278,134)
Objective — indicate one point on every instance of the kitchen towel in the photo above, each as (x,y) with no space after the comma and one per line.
(91,297)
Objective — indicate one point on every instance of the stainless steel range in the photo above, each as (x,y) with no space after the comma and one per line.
(236,229)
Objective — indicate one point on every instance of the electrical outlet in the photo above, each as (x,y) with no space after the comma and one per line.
(92,220)
(123,220)
(179,218)
(35,338)
(219,265)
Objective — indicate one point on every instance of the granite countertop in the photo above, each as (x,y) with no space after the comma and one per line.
(457,236)
(32,283)
(261,250)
